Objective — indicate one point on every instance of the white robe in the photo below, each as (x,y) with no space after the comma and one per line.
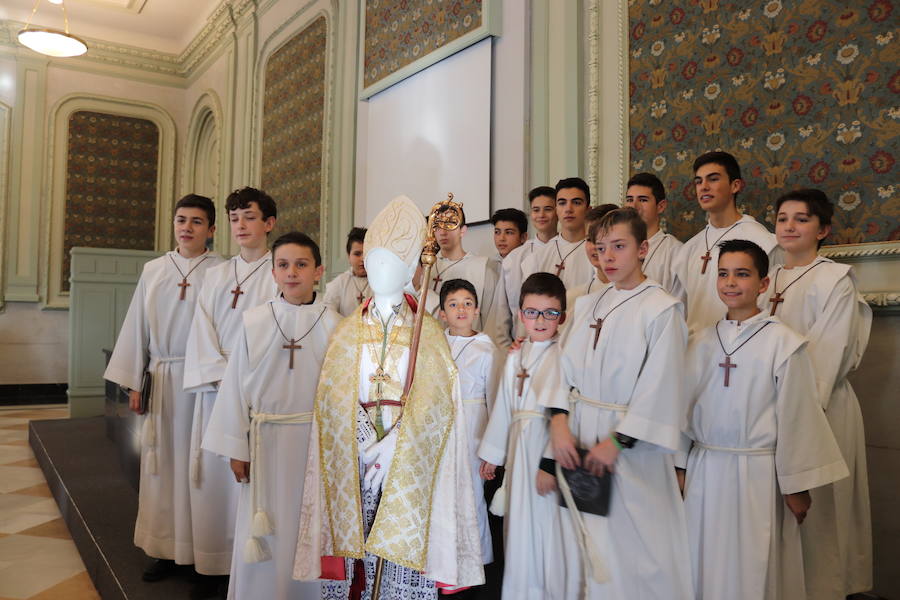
(258,381)
(703,307)
(825,307)
(215,330)
(478,271)
(153,336)
(659,262)
(636,371)
(745,542)
(477,359)
(578,269)
(342,292)
(537,561)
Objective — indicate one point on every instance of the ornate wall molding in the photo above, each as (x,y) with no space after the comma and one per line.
(54,223)
(5,133)
(861,252)
(207,119)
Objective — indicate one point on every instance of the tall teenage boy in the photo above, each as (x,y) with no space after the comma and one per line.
(153,338)
(646,194)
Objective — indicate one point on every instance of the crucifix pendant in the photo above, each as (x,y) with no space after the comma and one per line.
(727,365)
(560,267)
(437,279)
(184,285)
(522,376)
(597,327)
(775,300)
(360,298)
(705,258)
(236,292)
(293,345)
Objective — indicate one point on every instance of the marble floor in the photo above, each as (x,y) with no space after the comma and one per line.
(38,560)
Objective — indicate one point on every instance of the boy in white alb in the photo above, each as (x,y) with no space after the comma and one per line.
(818,298)
(646,194)
(351,288)
(759,436)
(623,357)
(475,356)
(717,178)
(262,420)
(536,564)
(229,289)
(564,255)
(153,338)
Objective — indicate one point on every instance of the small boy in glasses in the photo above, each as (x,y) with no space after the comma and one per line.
(516,436)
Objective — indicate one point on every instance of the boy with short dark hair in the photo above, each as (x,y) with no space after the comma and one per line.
(153,338)
(761,441)
(347,291)
(261,420)
(475,356)
(536,564)
(717,179)
(229,289)
(564,255)
(819,299)
(510,230)
(646,194)
(598,277)
(624,402)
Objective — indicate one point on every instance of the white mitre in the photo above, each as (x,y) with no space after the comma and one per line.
(400,228)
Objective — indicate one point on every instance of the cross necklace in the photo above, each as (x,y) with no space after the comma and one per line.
(779,296)
(360,293)
(437,277)
(522,375)
(463,349)
(184,285)
(728,365)
(647,260)
(237,291)
(708,257)
(293,344)
(562,259)
(379,377)
(598,321)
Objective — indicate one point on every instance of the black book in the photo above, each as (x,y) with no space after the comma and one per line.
(146,389)
(591,493)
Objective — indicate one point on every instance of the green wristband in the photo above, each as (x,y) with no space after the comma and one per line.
(616,443)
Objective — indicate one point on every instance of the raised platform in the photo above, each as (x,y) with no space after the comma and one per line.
(99,505)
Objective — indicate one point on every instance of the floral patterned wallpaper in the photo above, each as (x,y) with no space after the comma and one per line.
(803,93)
(111,178)
(293,126)
(399,32)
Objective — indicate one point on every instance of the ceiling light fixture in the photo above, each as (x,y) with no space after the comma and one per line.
(51,42)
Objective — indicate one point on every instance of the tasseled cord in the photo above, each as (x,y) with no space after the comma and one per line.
(256,549)
(592,562)
(196,440)
(148,437)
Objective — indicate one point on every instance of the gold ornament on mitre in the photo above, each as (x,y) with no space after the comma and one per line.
(400,228)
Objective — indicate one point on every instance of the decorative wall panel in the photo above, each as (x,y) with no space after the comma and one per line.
(292,144)
(111,179)
(804,94)
(399,32)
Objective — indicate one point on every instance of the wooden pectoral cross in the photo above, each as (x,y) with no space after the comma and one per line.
(184,285)
(293,345)
(597,327)
(775,300)
(560,267)
(522,376)
(437,279)
(360,298)
(705,258)
(236,292)
(727,365)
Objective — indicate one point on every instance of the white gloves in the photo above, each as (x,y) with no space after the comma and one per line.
(378,459)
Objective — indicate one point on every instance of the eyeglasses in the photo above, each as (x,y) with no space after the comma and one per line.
(551,314)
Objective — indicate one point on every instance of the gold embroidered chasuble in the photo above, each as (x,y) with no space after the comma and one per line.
(400,532)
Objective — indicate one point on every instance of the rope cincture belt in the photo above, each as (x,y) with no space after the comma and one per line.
(474,401)
(744,451)
(148,429)
(255,549)
(576,396)
(197,432)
